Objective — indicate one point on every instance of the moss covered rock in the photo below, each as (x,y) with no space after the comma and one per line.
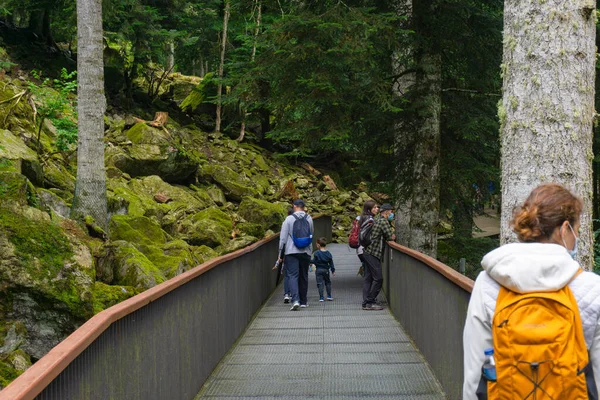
(136,229)
(153,152)
(37,256)
(203,253)
(210,227)
(138,203)
(15,151)
(216,195)
(13,188)
(234,185)
(239,243)
(266,214)
(51,202)
(57,176)
(130,267)
(106,296)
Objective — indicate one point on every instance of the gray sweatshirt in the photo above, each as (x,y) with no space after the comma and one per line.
(285,238)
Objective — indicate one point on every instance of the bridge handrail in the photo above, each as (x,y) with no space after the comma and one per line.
(450,273)
(430,300)
(35,379)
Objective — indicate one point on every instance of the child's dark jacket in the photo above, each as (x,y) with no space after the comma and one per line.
(323,259)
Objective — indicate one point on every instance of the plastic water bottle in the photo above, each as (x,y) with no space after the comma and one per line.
(489,365)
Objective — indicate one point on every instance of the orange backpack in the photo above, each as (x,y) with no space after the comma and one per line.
(539,347)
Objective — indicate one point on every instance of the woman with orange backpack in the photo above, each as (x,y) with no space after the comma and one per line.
(532,329)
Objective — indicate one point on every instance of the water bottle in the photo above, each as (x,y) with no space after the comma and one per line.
(489,365)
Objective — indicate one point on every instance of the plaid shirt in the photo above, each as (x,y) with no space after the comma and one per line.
(381,230)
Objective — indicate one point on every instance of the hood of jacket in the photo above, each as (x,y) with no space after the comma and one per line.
(530,267)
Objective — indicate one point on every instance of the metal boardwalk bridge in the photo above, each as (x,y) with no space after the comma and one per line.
(329,350)
(221,331)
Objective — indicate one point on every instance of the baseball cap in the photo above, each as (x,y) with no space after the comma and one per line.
(299,203)
(385,207)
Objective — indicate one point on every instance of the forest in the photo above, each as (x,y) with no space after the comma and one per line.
(382,91)
(194,122)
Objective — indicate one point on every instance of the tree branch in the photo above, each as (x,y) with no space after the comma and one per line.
(471,91)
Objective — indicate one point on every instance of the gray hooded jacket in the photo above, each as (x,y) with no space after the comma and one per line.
(285,238)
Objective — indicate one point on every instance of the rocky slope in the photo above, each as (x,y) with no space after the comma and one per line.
(177,197)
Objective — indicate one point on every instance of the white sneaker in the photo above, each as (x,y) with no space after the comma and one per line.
(295,307)
(286,299)
(304,306)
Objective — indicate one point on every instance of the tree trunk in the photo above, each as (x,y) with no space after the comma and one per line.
(90,186)
(402,59)
(170,55)
(548,105)
(418,194)
(252,57)
(425,202)
(202,72)
(221,64)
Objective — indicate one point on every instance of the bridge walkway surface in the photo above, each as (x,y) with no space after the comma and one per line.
(329,350)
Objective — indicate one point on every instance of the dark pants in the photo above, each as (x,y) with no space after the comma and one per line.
(322,276)
(296,266)
(373,279)
(286,281)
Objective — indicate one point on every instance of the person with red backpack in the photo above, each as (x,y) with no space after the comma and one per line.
(533,324)
(375,231)
(295,241)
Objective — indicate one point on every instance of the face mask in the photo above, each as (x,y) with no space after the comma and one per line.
(572,253)
(391,217)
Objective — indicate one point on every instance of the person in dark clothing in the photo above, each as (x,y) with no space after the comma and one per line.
(380,233)
(323,262)
(296,260)
(370,210)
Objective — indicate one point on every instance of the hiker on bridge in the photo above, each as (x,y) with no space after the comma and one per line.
(295,241)
(535,309)
(380,232)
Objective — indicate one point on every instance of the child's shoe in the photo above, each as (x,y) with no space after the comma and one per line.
(321,299)
(329,298)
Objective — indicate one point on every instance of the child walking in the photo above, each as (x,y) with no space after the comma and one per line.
(323,261)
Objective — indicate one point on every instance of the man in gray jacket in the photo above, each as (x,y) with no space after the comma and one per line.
(296,260)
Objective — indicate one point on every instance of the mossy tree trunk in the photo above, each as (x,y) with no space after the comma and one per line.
(90,186)
(548,104)
(419,204)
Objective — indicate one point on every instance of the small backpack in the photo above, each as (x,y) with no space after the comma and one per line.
(364,236)
(301,232)
(539,347)
(353,238)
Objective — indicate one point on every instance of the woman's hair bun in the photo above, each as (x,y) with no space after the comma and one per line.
(547,207)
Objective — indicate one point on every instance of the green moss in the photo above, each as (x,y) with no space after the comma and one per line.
(203,253)
(106,296)
(136,229)
(13,188)
(140,133)
(234,185)
(266,214)
(13,148)
(133,268)
(138,203)
(196,96)
(57,176)
(251,229)
(211,227)
(8,373)
(39,240)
